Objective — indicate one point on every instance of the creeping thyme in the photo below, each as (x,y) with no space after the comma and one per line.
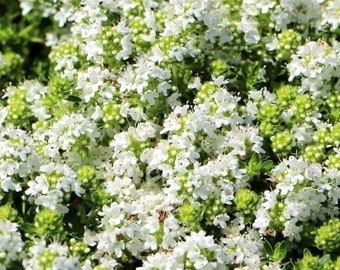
(87,176)
(169,134)
(64,50)
(219,67)
(212,208)
(172,152)
(335,135)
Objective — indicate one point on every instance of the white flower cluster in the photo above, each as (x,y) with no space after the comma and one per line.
(317,63)
(11,244)
(304,193)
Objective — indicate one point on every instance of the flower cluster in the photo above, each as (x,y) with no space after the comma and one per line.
(178,134)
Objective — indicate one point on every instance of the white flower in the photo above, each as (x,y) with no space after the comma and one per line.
(11,243)
(292,230)
(93,48)
(262,220)
(221,220)
(91,81)
(145,130)
(126,48)
(156,55)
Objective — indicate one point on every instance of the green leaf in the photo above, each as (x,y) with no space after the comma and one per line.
(267,166)
(254,165)
(73,99)
(280,251)
(268,248)
(28,228)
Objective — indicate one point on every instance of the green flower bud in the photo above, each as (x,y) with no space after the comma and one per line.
(139,29)
(172,152)
(282,142)
(87,174)
(303,106)
(322,137)
(333,161)
(337,263)
(308,262)
(329,265)
(335,135)
(81,146)
(219,67)
(46,259)
(100,197)
(111,115)
(100,267)
(205,92)
(267,129)
(137,147)
(48,224)
(288,40)
(333,100)
(314,153)
(78,248)
(246,202)
(270,113)
(190,215)
(110,38)
(285,95)
(327,237)
(53,179)
(212,208)
(9,64)
(64,49)
(277,219)
(60,87)
(18,108)
(8,212)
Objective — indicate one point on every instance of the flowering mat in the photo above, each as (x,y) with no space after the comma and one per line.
(174,134)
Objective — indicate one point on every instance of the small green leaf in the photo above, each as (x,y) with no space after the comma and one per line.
(254,165)
(280,251)
(268,248)
(28,228)
(267,166)
(73,99)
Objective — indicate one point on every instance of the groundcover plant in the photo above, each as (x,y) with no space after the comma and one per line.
(179,134)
